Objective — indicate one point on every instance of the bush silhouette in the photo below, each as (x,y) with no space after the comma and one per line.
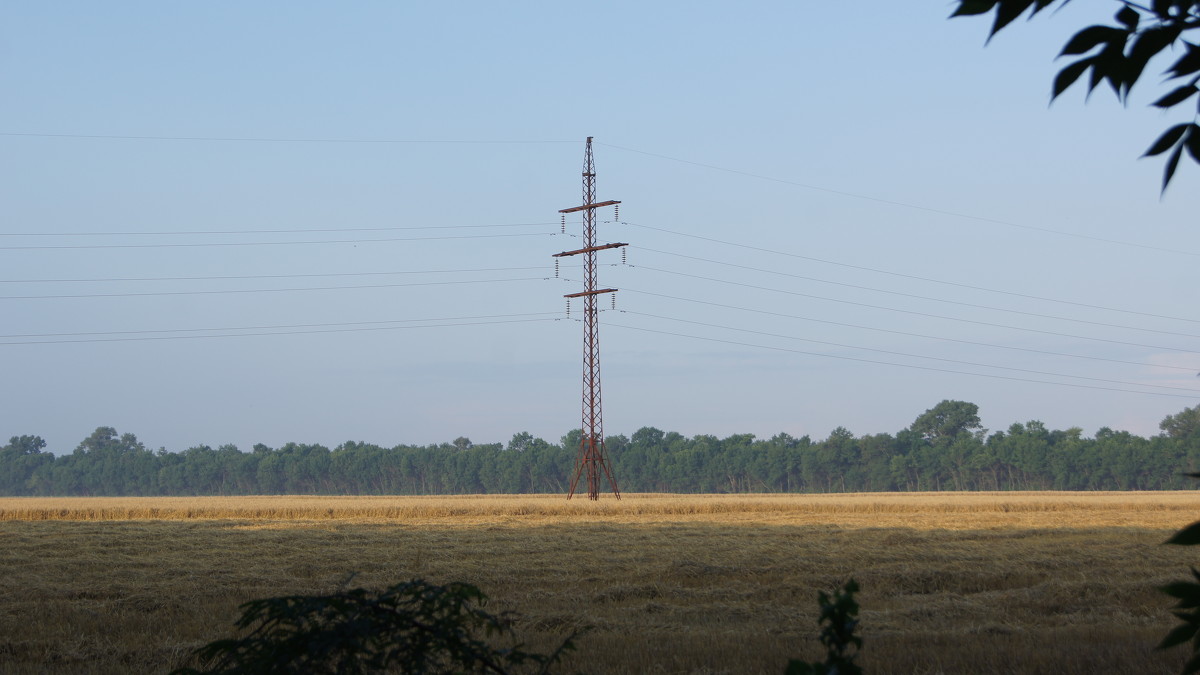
(1187,596)
(839,620)
(412,627)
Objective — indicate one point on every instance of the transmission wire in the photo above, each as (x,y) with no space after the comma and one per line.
(899,332)
(925,314)
(916,356)
(164,233)
(905,276)
(264,290)
(292,332)
(275,243)
(889,202)
(921,297)
(902,365)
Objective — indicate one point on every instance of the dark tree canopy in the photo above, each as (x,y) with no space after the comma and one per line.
(25,445)
(1117,55)
(946,420)
(1183,425)
(945,448)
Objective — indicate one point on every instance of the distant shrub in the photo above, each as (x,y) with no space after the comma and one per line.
(412,627)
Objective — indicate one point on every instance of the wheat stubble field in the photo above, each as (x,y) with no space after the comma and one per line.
(952,583)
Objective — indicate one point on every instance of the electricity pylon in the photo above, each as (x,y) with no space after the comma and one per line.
(593,456)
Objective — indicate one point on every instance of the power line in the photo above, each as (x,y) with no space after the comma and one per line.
(271,327)
(917,335)
(908,276)
(244,277)
(915,207)
(290,332)
(915,356)
(264,290)
(260,139)
(924,314)
(923,297)
(361,141)
(902,365)
(276,243)
(164,233)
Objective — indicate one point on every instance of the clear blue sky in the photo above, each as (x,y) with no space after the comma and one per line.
(890,183)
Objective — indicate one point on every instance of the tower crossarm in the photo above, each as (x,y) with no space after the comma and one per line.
(588,249)
(597,205)
(585,294)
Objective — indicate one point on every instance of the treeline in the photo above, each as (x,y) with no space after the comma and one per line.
(944,449)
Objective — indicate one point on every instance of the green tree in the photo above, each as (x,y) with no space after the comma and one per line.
(20,460)
(945,445)
(1118,54)
(24,445)
(877,453)
(832,460)
(1183,425)
(112,464)
(946,420)
(1027,448)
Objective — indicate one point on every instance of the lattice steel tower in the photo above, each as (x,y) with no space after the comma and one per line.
(593,456)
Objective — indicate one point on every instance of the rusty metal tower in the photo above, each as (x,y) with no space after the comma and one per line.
(593,456)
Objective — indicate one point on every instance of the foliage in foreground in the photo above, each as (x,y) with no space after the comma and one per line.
(1187,606)
(838,619)
(419,627)
(1118,55)
(411,627)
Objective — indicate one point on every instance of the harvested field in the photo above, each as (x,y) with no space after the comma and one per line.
(952,583)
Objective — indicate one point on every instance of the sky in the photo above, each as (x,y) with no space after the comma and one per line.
(267,222)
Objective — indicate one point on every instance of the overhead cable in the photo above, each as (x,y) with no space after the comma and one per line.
(1191,369)
(308,230)
(902,365)
(259,334)
(261,139)
(907,276)
(263,290)
(915,207)
(924,314)
(276,243)
(243,277)
(273,327)
(922,297)
(915,356)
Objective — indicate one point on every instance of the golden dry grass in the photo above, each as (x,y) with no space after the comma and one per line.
(916,509)
(987,583)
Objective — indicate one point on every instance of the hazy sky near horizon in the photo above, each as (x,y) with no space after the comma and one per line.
(268,222)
